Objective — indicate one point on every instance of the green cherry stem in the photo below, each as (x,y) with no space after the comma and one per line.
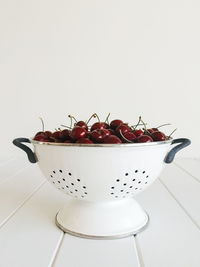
(163,125)
(137,123)
(93,116)
(42,124)
(107,118)
(97,116)
(66,126)
(124,137)
(171,133)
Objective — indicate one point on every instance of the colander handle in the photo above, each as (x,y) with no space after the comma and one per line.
(171,154)
(18,142)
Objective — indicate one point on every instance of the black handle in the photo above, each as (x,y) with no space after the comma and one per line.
(171,154)
(18,142)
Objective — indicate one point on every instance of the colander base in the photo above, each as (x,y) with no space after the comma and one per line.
(106,220)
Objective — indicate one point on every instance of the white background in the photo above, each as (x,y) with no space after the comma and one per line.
(126,57)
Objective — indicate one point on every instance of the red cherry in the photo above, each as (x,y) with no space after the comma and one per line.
(99,135)
(48,134)
(138,132)
(84,141)
(155,129)
(129,136)
(112,139)
(40,133)
(115,123)
(144,139)
(99,125)
(150,131)
(55,135)
(158,136)
(67,141)
(122,129)
(39,137)
(82,124)
(78,132)
(112,132)
(64,134)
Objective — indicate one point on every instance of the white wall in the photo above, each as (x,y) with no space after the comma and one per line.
(126,57)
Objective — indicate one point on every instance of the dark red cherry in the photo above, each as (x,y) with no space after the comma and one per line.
(138,132)
(128,137)
(122,129)
(99,135)
(144,139)
(40,137)
(48,134)
(78,132)
(84,141)
(64,134)
(150,131)
(112,132)
(112,139)
(99,125)
(115,123)
(40,133)
(155,129)
(55,135)
(82,124)
(158,136)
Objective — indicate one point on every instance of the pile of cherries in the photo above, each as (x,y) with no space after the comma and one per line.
(115,132)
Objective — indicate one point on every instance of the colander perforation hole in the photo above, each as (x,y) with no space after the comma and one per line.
(112,187)
(124,184)
(117,180)
(127,192)
(136,171)
(139,182)
(122,190)
(133,180)
(143,172)
(147,176)
(112,193)
(131,186)
(64,180)
(126,174)
(146,182)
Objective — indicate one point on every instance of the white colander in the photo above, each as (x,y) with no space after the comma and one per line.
(102,180)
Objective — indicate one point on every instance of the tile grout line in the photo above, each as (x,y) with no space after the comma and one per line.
(20,205)
(180,167)
(186,212)
(56,251)
(138,252)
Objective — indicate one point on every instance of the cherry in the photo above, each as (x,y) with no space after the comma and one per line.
(78,132)
(64,134)
(150,131)
(158,136)
(39,137)
(99,135)
(82,124)
(99,125)
(115,123)
(144,139)
(112,139)
(84,141)
(40,133)
(112,132)
(122,129)
(138,132)
(155,129)
(128,137)
(55,135)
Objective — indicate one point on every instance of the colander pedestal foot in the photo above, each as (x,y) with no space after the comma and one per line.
(102,220)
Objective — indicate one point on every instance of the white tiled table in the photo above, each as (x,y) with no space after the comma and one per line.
(29,237)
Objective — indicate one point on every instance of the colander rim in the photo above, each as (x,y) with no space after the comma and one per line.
(102,145)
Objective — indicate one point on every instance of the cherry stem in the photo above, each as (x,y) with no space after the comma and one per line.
(97,116)
(133,126)
(145,128)
(137,123)
(66,126)
(93,116)
(42,124)
(171,133)
(72,117)
(163,125)
(124,136)
(107,118)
